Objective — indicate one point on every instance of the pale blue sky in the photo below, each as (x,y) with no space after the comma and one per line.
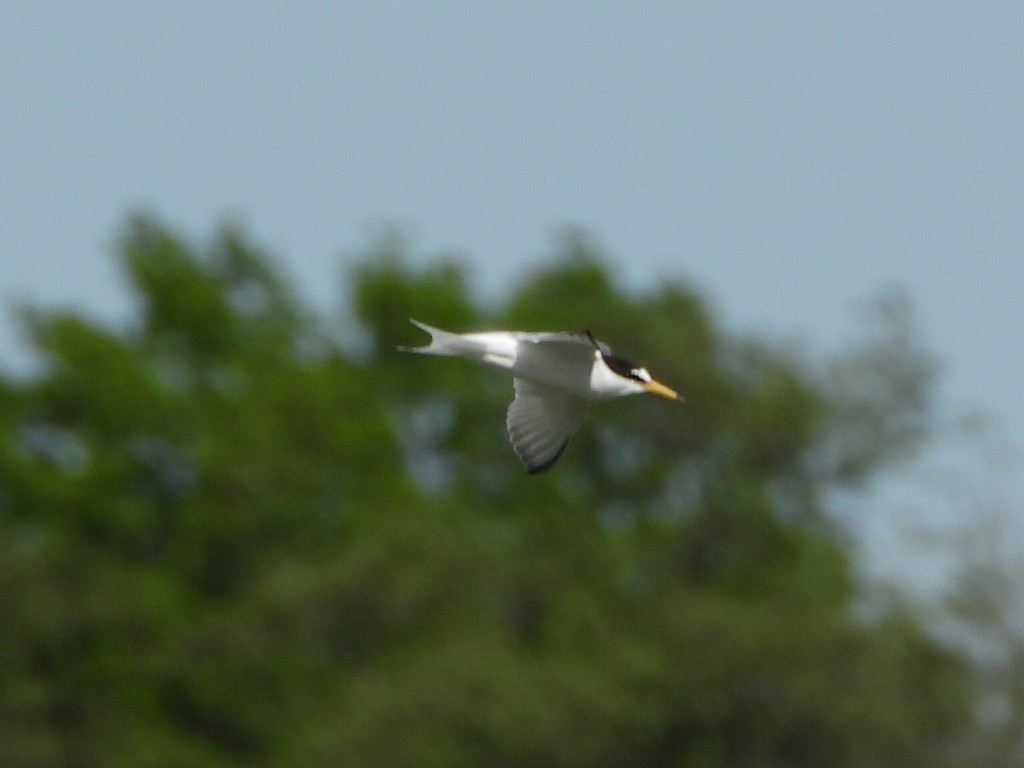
(791,158)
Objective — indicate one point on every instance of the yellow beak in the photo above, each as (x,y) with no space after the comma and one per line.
(657,388)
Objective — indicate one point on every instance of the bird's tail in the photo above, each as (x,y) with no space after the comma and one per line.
(443,343)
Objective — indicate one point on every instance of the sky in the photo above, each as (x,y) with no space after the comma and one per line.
(790,159)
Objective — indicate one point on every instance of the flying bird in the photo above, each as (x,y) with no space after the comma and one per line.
(556,375)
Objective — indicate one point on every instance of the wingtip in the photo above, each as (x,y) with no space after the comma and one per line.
(539,469)
(544,466)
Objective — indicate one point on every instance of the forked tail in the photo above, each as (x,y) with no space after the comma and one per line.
(443,343)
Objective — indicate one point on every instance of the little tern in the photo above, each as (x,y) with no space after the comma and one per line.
(556,375)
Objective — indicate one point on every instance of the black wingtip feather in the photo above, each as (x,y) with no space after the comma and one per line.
(538,468)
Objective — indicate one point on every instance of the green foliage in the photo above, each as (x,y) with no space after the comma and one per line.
(227,541)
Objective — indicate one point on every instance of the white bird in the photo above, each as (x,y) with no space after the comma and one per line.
(557,376)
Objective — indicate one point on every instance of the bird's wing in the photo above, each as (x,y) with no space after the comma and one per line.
(562,360)
(583,338)
(540,422)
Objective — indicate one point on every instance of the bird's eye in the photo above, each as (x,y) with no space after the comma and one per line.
(640,374)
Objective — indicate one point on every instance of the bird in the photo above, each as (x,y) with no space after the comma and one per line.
(557,376)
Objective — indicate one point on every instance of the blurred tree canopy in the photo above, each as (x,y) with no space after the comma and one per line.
(235,534)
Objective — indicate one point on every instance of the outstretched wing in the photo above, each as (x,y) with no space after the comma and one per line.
(582,338)
(561,360)
(540,422)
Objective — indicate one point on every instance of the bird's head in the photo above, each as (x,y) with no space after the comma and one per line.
(632,379)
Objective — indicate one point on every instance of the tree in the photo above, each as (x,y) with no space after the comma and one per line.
(232,535)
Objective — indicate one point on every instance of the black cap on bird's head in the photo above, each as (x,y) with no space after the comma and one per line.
(629,370)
